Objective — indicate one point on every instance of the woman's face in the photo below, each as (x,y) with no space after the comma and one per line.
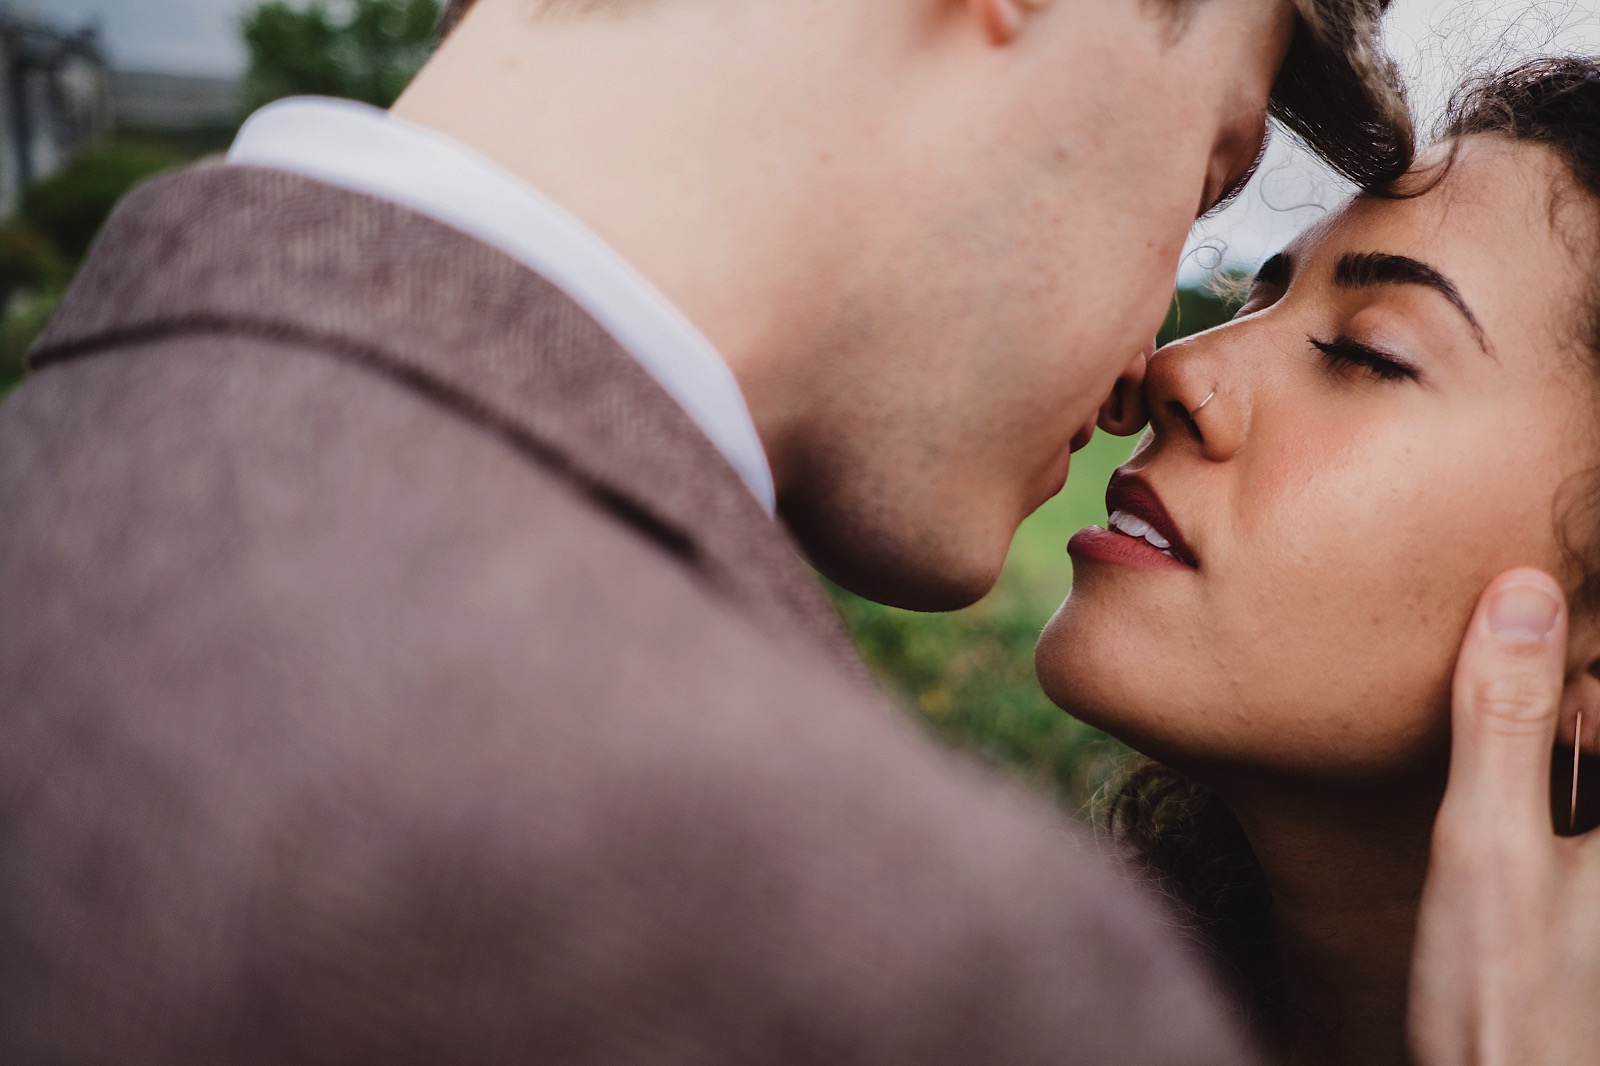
(1397,415)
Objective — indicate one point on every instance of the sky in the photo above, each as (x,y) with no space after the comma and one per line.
(1437,43)
(174,36)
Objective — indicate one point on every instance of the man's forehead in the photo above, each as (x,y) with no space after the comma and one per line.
(1340,93)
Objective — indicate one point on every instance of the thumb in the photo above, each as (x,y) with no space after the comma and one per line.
(1506,696)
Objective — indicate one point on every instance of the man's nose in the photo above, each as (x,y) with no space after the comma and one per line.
(1187,395)
(1124,414)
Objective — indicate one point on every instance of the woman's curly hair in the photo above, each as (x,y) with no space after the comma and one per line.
(1191,849)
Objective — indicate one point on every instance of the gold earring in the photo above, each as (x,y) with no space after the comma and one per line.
(1577,744)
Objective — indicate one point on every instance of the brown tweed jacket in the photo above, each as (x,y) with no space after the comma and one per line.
(391,673)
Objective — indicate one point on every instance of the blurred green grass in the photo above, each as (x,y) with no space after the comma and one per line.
(969,674)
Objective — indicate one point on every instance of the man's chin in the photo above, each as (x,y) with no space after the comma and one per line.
(911,592)
(923,581)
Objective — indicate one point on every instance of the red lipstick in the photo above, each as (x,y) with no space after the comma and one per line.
(1143,534)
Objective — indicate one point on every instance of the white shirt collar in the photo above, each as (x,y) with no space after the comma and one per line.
(357,147)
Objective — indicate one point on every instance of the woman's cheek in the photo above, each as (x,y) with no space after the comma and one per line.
(1361,611)
(1398,557)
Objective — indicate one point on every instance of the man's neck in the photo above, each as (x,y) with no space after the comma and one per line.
(668,131)
(1346,874)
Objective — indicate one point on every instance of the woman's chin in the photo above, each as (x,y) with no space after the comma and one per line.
(1085,663)
(1104,675)
(1082,682)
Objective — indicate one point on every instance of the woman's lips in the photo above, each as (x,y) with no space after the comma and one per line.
(1132,495)
(1142,533)
(1106,546)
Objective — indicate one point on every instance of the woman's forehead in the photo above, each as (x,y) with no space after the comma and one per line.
(1494,215)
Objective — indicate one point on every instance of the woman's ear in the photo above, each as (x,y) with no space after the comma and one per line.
(1003,20)
(1582,691)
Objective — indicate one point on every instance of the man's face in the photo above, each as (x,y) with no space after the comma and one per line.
(1019,257)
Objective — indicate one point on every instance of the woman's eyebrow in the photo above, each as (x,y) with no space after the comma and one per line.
(1361,270)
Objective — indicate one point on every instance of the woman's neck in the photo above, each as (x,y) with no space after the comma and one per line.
(1346,878)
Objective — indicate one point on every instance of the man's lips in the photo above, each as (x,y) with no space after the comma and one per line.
(1147,532)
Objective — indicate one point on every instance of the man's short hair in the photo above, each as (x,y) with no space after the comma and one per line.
(1342,95)
(1338,91)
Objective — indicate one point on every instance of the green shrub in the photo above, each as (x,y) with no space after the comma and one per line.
(71,205)
(27,260)
(23,319)
(358,49)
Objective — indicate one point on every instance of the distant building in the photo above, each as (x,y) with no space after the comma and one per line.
(55,98)
(174,102)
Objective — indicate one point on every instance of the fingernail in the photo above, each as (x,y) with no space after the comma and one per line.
(1524,613)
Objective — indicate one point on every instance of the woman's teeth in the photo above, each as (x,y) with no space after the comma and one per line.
(1138,528)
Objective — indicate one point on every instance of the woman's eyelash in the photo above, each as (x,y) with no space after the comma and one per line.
(1345,354)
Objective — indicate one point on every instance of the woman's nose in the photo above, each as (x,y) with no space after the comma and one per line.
(1188,395)
(1123,414)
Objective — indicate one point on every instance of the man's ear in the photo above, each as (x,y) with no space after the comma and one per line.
(1003,20)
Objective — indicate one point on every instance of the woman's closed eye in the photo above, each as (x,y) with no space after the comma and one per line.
(1343,355)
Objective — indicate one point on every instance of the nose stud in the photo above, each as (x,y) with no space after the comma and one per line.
(1203,403)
